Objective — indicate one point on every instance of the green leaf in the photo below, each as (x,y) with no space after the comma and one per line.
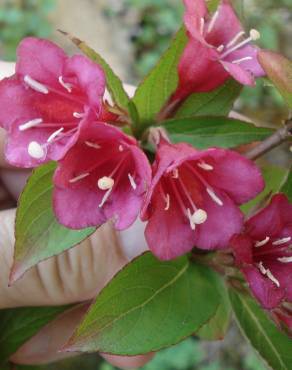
(273,345)
(205,132)
(217,327)
(114,84)
(213,5)
(274,177)
(287,187)
(37,232)
(148,305)
(154,91)
(216,102)
(279,71)
(18,325)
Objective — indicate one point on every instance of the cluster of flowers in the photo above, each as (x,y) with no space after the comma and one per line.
(54,109)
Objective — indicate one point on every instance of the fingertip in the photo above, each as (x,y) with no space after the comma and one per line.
(126,362)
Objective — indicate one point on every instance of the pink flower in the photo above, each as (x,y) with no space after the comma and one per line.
(264,253)
(216,50)
(45,101)
(194,196)
(103,176)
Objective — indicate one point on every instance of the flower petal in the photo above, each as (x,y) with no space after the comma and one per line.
(242,246)
(40,59)
(239,177)
(239,73)
(263,288)
(251,65)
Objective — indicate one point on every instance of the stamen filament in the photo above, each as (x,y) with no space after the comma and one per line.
(282,241)
(235,39)
(30,124)
(213,21)
(66,86)
(35,85)
(254,35)
(262,242)
(238,61)
(214,197)
(55,134)
(78,178)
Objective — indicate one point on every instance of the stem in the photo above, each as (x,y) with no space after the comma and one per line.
(271,142)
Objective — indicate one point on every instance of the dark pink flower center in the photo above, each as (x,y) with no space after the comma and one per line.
(61,110)
(184,187)
(112,170)
(270,253)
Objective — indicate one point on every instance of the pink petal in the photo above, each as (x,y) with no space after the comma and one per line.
(252,65)
(77,208)
(195,11)
(239,177)
(263,288)
(222,223)
(226,27)
(90,77)
(283,273)
(167,233)
(239,73)
(40,59)
(272,220)
(242,246)
(199,70)
(17,102)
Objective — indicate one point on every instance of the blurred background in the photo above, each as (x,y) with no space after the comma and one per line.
(131,35)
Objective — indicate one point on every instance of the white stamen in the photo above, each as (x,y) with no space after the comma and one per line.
(282,241)
(105,198)
(220,48)
(55,134)
(35,85)
(254,34)
(235,39)
(35,150)
(272,278)
(190,217)
(262,268)
(205,166)
(78,115)
(262,242)
(167,200)
(92,145)
(213,21)
(121,148)
(226,68)
(202,26)
(199,217)
(105,183)
(30,124)
(238,61)
(66,86)
(80,177)
(214,197)
(175,174)
(132,181)
(285,259)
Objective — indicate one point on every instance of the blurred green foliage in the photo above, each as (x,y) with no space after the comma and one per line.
(21,18)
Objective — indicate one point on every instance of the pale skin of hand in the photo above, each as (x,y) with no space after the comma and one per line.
(74,276)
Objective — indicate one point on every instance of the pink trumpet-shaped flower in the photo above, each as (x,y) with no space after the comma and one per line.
(194,196)
(216,50)
(103,176)
(43,104)
(264,254)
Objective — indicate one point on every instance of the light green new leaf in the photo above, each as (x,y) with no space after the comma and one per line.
(114,84)
(279,71)
(18,325)
(37,232)
(154,91)
(216,102)
(274,346)
(205,132)
(287,187)
(148,305)
(216,328)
